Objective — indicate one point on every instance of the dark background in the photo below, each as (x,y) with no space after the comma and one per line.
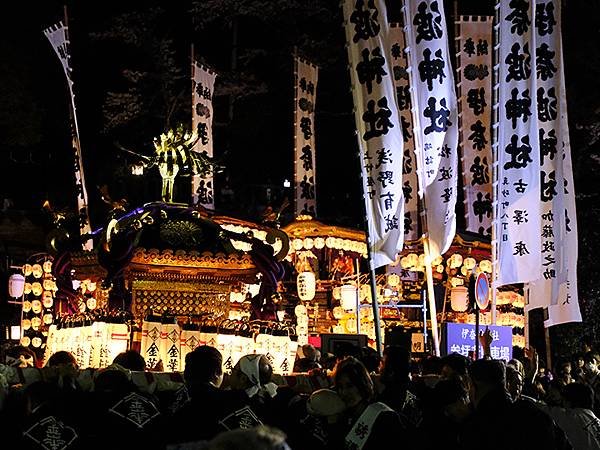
(249,44)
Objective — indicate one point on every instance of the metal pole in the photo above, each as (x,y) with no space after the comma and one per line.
(357,296)
(476,330)
(495,125)
(431,296)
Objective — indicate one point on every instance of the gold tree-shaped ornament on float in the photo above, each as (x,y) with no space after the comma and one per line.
(174,155)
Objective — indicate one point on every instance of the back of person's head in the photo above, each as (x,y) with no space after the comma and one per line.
(309,352)
(203,365)
(455,364)
(449,391)
(356,373)
(370,358)
(578,395)
(131,360)
(325,403)
(61,358)
(490,372)
(344,349)
(112,381)
(432,365)
(257,438)
(395,364)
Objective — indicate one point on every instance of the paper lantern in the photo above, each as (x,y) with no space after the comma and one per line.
(469,263)
(306,286)
(37,270)
(459,299)
(16,285)
(456,260)
(47,266)
(348,297)
(405,262)
(27,269)
(329,242)
(297,244)
(486,266)
(308,243)
(319,243)
(337,312)
(393,279)
(437,260)
(15,332)
(413,259)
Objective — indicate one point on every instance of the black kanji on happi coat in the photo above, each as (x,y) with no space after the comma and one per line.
(365,20)
(371,68)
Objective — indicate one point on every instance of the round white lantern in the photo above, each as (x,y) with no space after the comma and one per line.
(16,285)
(297,244)
(306,285)
(413,259)
(308,243)
(393,279)
(469,263)
(459,299)
(405,262)
(486,266)
(319,243)
(348,297)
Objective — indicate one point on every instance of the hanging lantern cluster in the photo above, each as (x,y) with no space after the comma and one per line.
(319,243)
(258,234)
(39,289)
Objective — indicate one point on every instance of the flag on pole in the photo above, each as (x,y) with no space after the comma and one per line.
(435,118)
(203,82)
(378,124)
(58,35)
(410,184)
(305,179)
(518,217)
(557,288)
(474,54)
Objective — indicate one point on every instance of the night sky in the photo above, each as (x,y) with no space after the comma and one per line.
(256,142)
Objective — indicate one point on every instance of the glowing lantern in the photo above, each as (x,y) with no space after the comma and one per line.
(437,260)
(47,266)
(297,244)
(486,266)
(319,243)
(37,270)
(459,299)
(16,285)
(348,297)
(329,242)
(456,260)
(393,279)
(306,285)
(337,292)
(308,243)
(405,262)
(413,259)
(469,263)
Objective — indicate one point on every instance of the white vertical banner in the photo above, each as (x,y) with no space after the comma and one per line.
(378,124)
(435,117)
(58,35)
(305,180)
(203,83)
(410,184)
(518,192)
(474,54)
(557,288)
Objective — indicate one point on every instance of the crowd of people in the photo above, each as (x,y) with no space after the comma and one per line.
(364,402)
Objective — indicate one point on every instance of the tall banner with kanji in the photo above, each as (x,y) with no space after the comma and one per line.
(203,82)
(518,216)
(410,184)
(557,289)
(58,35)
(304,137)
(474,55)
(378,124)
(435,118)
